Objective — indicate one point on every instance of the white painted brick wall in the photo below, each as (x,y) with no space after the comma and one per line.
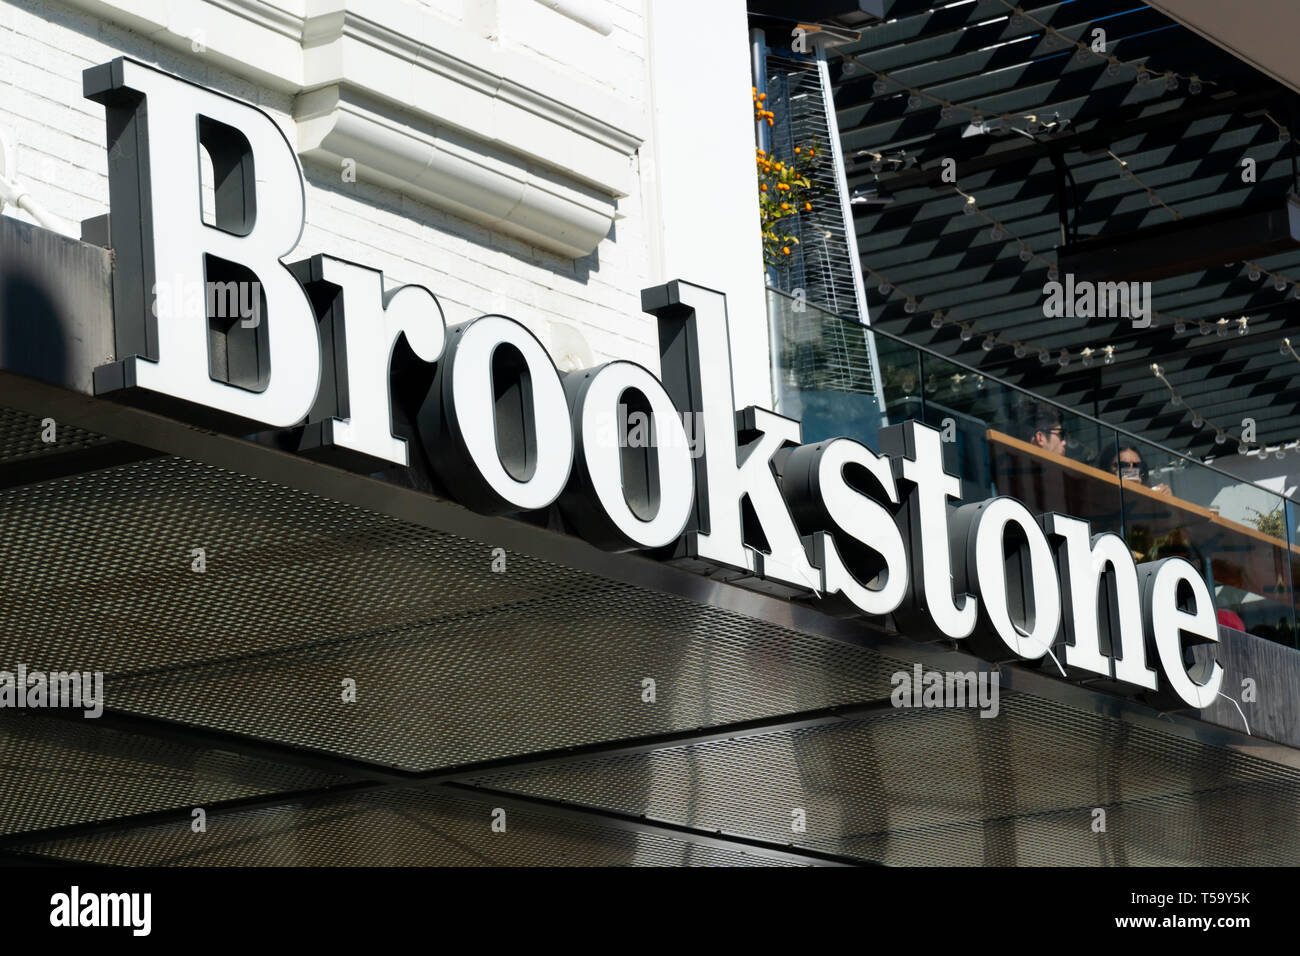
(60,136)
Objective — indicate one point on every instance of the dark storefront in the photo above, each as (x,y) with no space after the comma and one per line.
(325,648)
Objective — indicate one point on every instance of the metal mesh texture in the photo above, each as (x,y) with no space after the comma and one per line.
(59,772)
(947,787)
(453,663)
(21,437)
(393,828)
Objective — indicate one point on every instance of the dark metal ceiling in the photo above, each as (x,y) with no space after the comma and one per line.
(1186,146)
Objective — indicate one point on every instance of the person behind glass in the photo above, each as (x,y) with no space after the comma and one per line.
(1128,464)
(1045,430)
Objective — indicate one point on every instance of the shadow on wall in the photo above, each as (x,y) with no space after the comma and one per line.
(56,311)
(32,340)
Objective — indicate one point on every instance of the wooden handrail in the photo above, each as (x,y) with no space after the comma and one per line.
(1132,487)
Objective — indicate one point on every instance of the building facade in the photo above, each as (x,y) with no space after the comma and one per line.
(343,350)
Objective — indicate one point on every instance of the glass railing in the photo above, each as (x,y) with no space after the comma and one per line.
(841,378)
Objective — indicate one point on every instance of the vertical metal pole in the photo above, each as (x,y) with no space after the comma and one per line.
(850,230)
(763,140)
(762,132)
(758,63)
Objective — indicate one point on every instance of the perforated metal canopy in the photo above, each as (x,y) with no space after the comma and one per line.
(502,717)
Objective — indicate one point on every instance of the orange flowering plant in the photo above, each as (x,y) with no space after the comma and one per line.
(785,189)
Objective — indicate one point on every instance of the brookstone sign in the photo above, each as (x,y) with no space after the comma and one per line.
(505,432)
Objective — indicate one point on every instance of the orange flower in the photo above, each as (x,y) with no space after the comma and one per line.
(807,207)
(796,150)
(763,187)
(761,97)
(785,250)
(785,205)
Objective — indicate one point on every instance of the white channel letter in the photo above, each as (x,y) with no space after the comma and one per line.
(990,573)
(1083,564)
(867,521)
(599,452)
(1168,622)
(933,487)
(473,404)
(182,239)
(372,323)
(726,481)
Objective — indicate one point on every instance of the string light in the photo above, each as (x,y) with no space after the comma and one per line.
(1198,419)
(1052,36)
(1255,272)
(1152,197)
(998,231)
(991,340)
(1283,134)
(883,81)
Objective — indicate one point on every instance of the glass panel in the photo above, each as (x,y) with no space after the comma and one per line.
(1008,443)
(823,374)
(1233,531)
(1293,536)
(1004,441)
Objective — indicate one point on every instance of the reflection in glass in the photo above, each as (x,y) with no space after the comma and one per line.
(841,378)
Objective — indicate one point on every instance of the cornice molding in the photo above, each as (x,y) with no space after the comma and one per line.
(423,107)
(453,172)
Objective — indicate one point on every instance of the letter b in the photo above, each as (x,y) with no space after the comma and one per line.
(157,125)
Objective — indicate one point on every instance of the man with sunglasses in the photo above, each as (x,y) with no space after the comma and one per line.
(1046,431)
